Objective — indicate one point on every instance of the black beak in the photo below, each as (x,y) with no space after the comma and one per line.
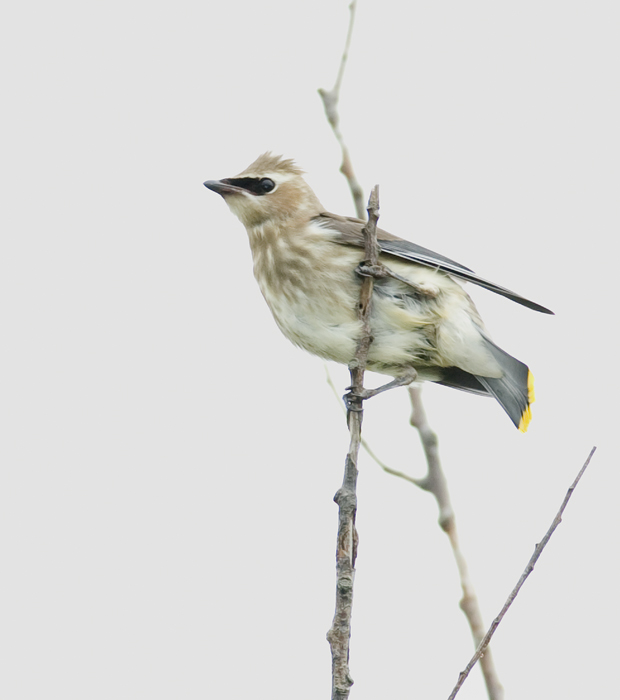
(222,187)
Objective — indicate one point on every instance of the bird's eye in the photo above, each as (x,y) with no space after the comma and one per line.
(253,184)
(266,185)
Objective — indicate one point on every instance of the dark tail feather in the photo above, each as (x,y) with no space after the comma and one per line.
(460,379)
(514,390)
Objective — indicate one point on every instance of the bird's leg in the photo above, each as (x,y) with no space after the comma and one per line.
(352,398)
(380,271)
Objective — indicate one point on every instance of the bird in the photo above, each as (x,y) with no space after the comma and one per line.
(424,325)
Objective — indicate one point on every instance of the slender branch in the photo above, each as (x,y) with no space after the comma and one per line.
(528,570)
(330,103)
(435,483)
(346,550)
(371,254)
(345,53)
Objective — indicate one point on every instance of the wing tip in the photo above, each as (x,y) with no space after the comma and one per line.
(541,309)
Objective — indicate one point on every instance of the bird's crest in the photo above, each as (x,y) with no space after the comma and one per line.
(268,163)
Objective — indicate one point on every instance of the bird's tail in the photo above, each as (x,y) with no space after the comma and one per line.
(514,390)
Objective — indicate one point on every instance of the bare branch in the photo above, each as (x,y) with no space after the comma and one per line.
(346,497)
(330,103)
(528,570)
(435,483)
(371,251)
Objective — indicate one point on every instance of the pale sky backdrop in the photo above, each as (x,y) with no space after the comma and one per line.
(168,459)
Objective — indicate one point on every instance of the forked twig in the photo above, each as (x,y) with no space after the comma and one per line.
(528,570)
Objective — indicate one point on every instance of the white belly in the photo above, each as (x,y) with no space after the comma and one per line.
(313,295)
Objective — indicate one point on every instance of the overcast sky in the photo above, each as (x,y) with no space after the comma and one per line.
(168,459)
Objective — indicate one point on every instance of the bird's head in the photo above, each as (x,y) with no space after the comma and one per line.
(270,190)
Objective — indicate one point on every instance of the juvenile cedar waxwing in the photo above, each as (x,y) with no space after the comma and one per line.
(423,323)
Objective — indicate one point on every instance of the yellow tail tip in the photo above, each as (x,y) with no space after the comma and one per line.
(526,416)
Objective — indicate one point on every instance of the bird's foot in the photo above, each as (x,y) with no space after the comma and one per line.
(353,399)
(378,271)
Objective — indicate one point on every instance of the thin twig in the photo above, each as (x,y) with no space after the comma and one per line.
(330,103)
(346,498)
(435,482)
(528,570)
(371,255)
(365,445)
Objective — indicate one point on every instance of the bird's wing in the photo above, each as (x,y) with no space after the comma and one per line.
(349,232)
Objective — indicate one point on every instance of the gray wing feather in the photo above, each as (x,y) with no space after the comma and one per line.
(350,233)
